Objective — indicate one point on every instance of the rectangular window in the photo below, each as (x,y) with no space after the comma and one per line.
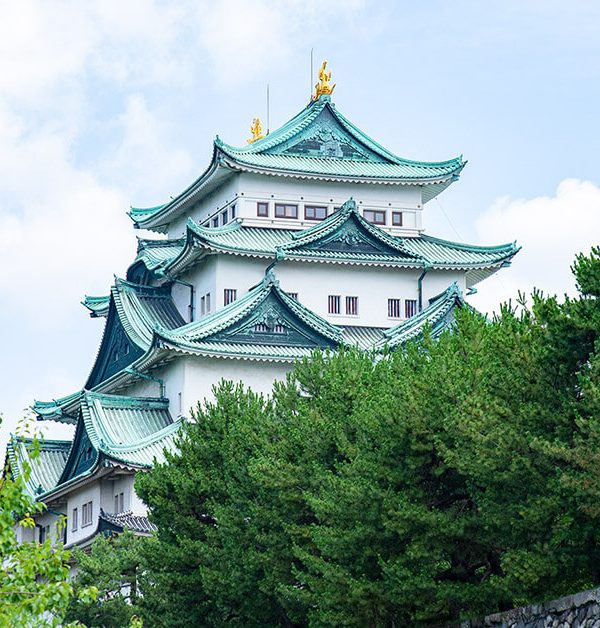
(315,212)
(262,209)
(352,306)
(286,211)
(394,308)
(215,221)
(86,514)
(410,307)
(224,217)
(376,217)
(202,306)
(232,212)
(397,219)
(116,508)
(208,302)
(334,303)
(44,533)
(74,520)
(229,296)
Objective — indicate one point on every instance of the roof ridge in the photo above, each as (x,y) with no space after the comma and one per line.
(471,247)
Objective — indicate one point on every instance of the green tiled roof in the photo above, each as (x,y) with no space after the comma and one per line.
(63,409)
(438,315)
(317,143)
(45,468)
(343,237)
(232,330)
(98,306)
(155,253)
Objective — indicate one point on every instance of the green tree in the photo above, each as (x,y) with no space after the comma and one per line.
(454,478)
(113,566)
(34,585)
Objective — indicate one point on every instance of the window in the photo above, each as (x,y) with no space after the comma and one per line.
(286,211)
(215,221)
(44,533)
(232,212)
(119,502)
(202,306)
(262,209)
(314,212)
(224,217)
(410,307)
(334,303)
(86,514)
(376,217)
(74,520)
(229,296)
(261,328)
(208,302)
(279,329)
(394,308)
(397,219)
(293,295)
(352,306)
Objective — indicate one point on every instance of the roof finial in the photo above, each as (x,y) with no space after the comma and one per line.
(256,130)
(322,87)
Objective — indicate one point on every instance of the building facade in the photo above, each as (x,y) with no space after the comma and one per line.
(311,237)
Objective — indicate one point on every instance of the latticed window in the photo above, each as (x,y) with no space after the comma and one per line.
(397,219)
(86,514)
(374,216)
(315,212)
(215,221)
(293,295)
(224,217)
(74,522)
(119,502)
(262,209)
(279,329)
(410,307)
(334,304)
(352,306)
(394,308)
(283,210)
(229,296)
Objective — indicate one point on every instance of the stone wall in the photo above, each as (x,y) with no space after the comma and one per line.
(581,610)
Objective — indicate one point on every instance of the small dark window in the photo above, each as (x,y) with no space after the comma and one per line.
(279,329)
(315,212)
(232,212)
(286,211)
(397,219)
(262,209)
(74,520)
(334,304)
(394,308)
(293,295)
(261,328)
(376,217)
(224,217)
(352,306)
(410,307)
(86,514)
(229,296)
(215,221)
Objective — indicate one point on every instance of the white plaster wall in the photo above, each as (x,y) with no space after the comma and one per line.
(314,282)
(91,492)
(203,373)
(210,205)
(203,278)
(51,519)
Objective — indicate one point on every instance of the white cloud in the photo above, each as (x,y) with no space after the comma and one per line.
(551,230)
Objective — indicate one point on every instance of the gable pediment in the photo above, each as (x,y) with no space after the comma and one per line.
(271,322)
(325,137)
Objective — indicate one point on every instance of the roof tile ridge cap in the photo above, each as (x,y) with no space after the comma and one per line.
(332,221)
(110,397)
(151,439)
(392,241)
(333,332)
(353,129)
(296,124)
(474,247)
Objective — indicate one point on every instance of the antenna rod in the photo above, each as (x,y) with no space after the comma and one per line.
(268,126)
(311,72)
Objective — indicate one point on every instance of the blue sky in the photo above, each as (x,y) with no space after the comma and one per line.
(107,104)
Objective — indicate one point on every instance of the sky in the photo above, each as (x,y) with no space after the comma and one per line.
(107,104)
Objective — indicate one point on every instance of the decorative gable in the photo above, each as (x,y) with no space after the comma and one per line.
(271,322)
(325,137)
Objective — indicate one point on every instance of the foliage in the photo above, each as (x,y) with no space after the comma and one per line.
(113,566)
(452,479)
(34,586)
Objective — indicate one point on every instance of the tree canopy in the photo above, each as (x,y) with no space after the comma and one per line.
(451,479)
